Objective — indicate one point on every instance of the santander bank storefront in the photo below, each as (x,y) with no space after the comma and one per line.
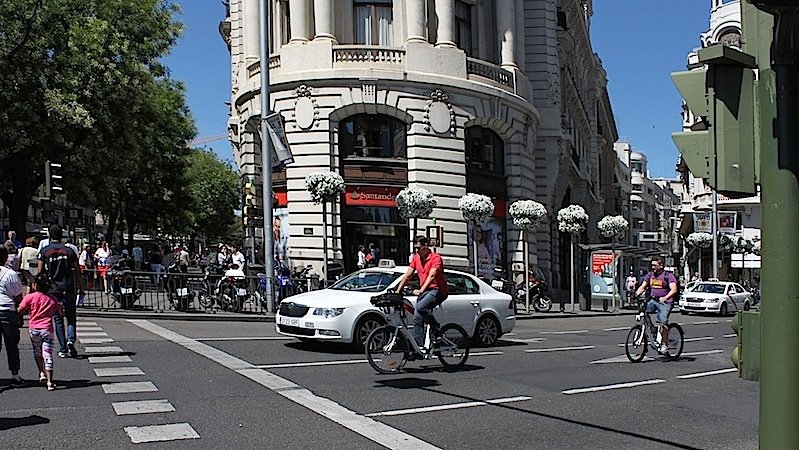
(371,217)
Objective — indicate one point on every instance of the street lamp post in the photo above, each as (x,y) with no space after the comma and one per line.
(266,157)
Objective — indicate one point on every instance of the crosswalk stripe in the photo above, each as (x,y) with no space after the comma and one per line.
(111,349)
(142,407)
(129,388)
(80,323)
(92,334)
(95,340)
(160,433)
(81,330)
(109,359)
(118,371)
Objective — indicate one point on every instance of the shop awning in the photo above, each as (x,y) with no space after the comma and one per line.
(629,250)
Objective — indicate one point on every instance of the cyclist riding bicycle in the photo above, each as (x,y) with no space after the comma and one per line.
(432,290)
(662,287)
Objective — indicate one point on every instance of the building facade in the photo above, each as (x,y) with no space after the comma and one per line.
(495,97)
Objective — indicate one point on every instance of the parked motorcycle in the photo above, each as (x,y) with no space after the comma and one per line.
(303,281)
(180,297)
(539,293)
(501,282)
(232,290)
(208,292)
(124,288)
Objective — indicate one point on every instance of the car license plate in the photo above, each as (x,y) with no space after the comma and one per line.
(290,321)
(241,292)
(127,290)
(182,292)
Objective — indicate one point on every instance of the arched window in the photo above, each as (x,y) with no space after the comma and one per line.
(485,151)
(372,136)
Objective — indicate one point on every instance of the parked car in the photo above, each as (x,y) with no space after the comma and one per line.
(720,297)
(343,312)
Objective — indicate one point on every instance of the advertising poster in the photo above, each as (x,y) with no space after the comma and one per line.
(280,233)
(702,222)
(490,237)
(727,222)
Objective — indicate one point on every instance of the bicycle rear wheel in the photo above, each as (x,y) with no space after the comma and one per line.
(386,349)
(636,343)
(453,347)
(675,341)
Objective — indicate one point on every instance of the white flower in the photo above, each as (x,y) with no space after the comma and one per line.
(572,219)
(700,240)
(476,207)
(324,186)
(415,202)
(613,227)
(527,214)
(725,242)
(756,247)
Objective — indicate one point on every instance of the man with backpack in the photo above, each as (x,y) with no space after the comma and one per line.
(663,291)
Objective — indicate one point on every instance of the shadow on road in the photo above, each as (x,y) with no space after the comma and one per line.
(324,347)
(7,423)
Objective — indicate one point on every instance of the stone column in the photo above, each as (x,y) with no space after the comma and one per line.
(445,13)
(298,9)
(252,43)
(415,18)
(323,20)
(520,35)
(506,31)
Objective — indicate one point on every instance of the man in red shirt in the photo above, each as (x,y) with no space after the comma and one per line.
(433,286)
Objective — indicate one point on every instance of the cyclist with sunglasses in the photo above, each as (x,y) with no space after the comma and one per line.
(662,287)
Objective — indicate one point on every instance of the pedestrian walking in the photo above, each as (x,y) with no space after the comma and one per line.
(12,237)
(12,262)
(629,287)
(361,257)
(28,261)
(60,264)
(138,257)
(43,307)
(10,296)
(102,259)
(156,264)
(373,257)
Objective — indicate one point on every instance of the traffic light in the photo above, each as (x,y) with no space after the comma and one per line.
(252,215)
(721,145)
(53,179)
(746,354)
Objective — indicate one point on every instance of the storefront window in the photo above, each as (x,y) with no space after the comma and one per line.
(372,136)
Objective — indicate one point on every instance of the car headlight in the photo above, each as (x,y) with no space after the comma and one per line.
(713,300)
(328,312)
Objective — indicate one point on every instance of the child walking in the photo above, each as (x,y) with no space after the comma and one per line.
(42,307)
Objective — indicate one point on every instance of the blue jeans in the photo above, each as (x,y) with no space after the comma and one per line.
(67,300)
(9,334)
(663,310)
(424,313)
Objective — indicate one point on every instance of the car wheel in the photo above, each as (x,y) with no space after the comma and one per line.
(487,331)
(747,307)
(723,309)
(364,328)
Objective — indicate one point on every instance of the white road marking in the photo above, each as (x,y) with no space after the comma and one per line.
(612,386)
(486,353)
(705,322)
(129,388)
(95,340)
(616,329)
(82,330)
(524,341)
(705,374)
(731,335)
(706,352)
(369,428)
(618,359)
(92,334)
(108,359)
(497,401)
(245,338)
(142,407)
(558,349)
(159,433)
(79,323)
(118,371)
(564,332)
(705,338)
(103,350)
(311,364)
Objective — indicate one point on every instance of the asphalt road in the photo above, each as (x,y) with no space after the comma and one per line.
(555,383)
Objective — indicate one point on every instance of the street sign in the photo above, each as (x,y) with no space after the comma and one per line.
(648,236)
(281,153)
(435,235)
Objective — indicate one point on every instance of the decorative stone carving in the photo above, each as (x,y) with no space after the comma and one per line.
(306,110)
(438,114)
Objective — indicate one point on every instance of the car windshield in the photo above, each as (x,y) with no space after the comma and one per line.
(709,288)
(366,281)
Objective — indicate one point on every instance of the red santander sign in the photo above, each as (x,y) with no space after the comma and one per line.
(372,196)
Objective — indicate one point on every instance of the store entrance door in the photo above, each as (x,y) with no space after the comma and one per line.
(389,239)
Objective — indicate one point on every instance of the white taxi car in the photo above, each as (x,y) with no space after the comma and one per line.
(720,297)
(343,312)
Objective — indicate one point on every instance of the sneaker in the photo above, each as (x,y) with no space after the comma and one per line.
(17,380)
(664,349)
(51,386)
(72,351)
(42,378)
(63,354)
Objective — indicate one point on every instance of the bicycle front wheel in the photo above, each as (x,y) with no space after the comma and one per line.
(386,349)
(675,341)
(635,345)
(453,348)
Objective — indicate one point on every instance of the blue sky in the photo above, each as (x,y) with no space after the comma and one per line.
(640,42)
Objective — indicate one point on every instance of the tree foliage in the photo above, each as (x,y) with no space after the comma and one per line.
(214,188)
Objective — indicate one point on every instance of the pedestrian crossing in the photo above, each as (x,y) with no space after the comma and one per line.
(90,334)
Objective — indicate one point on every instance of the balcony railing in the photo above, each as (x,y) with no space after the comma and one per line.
(361,54)
(489,71)
(254,69)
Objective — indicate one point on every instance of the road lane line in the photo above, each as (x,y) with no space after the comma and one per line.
(118,371)
(245,338)
(616,329)
(705,322)
(345,361)
(564,332)
(424,409)
(109,359)
(102,350)
(618,359)
(704,338)
(369,428)
(129,388)
(558,349)
(612,386)
(160,433)
(142,407)
(705,374)
(523,341)
(706,352)
(731,335)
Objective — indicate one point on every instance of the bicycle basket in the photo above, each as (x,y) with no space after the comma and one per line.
(387,301)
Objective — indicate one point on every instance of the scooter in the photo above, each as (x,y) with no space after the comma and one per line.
(209,288)
(232,289)
(177,288)
(539,296)
(501,282)
(123,284)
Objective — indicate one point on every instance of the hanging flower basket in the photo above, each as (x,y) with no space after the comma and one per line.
(415,202)
(744,246)
(572,219)
(756,247)
(725,242)
(527,214)
(324,186)
(700,240)
(476,207)
(613,227)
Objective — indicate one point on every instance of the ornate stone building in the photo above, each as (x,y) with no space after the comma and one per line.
(496,97)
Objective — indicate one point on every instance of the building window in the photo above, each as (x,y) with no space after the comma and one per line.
(485,151)
(374,22)
(463,27)
(285,24)
(372,136)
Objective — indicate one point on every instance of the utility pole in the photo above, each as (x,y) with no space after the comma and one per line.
(266,157)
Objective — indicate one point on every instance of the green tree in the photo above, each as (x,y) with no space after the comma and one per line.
(214,189)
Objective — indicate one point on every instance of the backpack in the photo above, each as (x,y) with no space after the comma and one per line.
(676,297)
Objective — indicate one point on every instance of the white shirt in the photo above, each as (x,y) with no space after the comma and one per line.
(102,256)
(238,259)
(10,287)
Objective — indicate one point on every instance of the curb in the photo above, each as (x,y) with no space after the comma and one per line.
(177,316)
